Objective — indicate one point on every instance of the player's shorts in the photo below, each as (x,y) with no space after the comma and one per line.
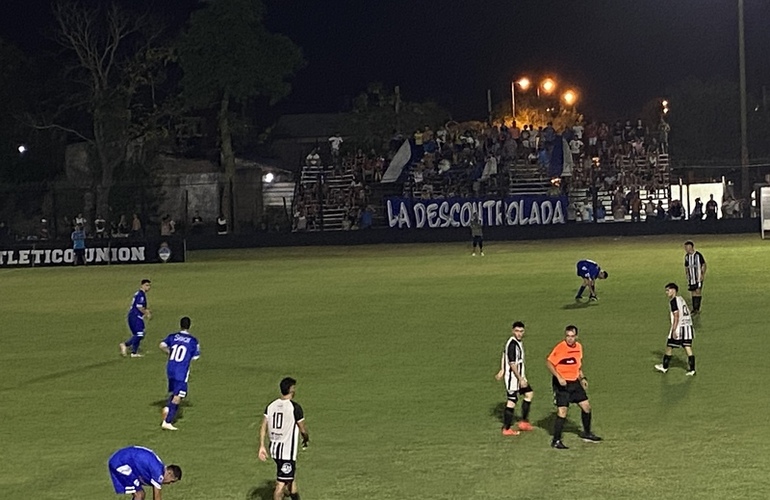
(513,396)
(177,387)
(124,480)
(573,392)
(684,339)
(477,240)
(695,286)
(285,470)
(136,325)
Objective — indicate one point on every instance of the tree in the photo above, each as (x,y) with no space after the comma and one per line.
(117,55)
(229,57)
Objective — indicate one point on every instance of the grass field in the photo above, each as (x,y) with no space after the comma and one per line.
(395,350)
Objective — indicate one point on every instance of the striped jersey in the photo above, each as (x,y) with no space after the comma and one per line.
(693,267)
(678,304)
(513,353)
(282,417)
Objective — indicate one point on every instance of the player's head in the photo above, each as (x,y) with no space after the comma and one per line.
(287,386)
(570,334)
(145,285)
(518,329)
(603,275)
(184,323)
(173,474)
(689,246)
(671,290)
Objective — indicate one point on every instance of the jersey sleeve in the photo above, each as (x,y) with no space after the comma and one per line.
(553,358)
(197,353)
(299,415)
(702,260)
(265,413)
(512,351)
(674,305)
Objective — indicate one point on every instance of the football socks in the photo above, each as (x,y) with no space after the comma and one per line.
(525,409)
(580,292)
(586,416)
(507,417)
(558,428)
(696,303)
(172,408)
(691,362)
(666,361)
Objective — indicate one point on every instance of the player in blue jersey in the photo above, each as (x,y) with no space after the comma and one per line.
(590,272)
(135,466)
(137,313)
(181,348)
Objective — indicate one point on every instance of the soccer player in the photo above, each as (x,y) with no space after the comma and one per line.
(695,270)
(590,272)
(181,348)
(477,233)
(285,422)
(569,386)
(512,371)
(681,333)
(136,316)
(135,466)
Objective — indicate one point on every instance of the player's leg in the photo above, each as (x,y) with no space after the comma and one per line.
(592,289)
(475,244)
(138,337)
(510,405)
(481,245)
(293,491)
(696,298)
(178,390)
(670,345)
(558,426)
(524,424)
(582,289)
(585,409)
(690,359)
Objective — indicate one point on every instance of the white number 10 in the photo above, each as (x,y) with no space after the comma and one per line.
(178,352)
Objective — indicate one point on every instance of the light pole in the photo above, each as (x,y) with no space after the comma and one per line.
(746,189)
(524,84)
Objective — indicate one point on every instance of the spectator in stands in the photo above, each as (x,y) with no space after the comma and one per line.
(676,210)
(636,207)
(663,130)
(526,143)
(641,130)
(79,244)
(136,227)
(221,224)
(592,136)
(197,223)
(697,211)
(313,159)
(661,213)
(649,210)
(122,229)
(80,220)
(100,227)
(728,207)
(43,234)
(167,226)
(711,208)
(418,137)
(334,143)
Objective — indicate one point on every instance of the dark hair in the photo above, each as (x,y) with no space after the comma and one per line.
(184,323)
(286,385)
(571,328)
(176,470)
(672,286)
(517,324)
(688,242)
(606,274)
(145,281)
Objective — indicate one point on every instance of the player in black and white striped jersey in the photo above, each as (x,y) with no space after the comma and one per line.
(681,333)
(695,271)
(284,422)
(512,371)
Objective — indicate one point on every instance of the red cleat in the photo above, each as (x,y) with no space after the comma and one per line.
(510,432)
(525,426)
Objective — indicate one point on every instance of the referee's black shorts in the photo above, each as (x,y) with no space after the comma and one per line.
(573,392)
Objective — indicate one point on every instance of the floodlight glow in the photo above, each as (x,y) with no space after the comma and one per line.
(569,97)
(548,85)
(524,83)
(269,177)
(22,149)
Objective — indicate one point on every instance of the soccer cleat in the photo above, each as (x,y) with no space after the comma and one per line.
(690,373)
(510,432)
(473,254)
(578,298)
(593,297)
(556,443)
(136,355)
(590,437)
(525,426)
(123,349)
(661,369)
(482,254)
(168,427)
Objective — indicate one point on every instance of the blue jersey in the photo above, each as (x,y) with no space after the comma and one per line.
(183,348)
(137,462)
(588,269)
(140,299)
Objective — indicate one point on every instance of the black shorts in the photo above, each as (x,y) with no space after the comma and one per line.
(695,286)
(477,240)
(285,470)
(573,392)
(513,396)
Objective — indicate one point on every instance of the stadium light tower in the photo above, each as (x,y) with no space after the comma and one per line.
(548,85)
(569,97)
(523,84)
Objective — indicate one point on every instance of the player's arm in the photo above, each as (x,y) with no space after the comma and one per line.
(262,435)
(139,495)
(675,323)
(303,432)
(515,371)
(145,312)
(583,379)
(499,375)
(156,493)
(703,271)
(164,347)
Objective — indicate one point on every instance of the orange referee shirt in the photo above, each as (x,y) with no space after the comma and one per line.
(567,360)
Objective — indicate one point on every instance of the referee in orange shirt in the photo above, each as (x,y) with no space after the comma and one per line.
(569,386)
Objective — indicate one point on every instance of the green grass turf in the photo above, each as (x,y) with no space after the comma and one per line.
(395,349)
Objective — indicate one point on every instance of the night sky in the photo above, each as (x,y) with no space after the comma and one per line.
(618,53)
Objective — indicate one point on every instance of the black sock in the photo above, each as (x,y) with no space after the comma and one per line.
(507,418)
(294,496)
(558,428)
(691,362)
(580,292)
(696,303)
(666,361)
(586,422)
(525,409)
